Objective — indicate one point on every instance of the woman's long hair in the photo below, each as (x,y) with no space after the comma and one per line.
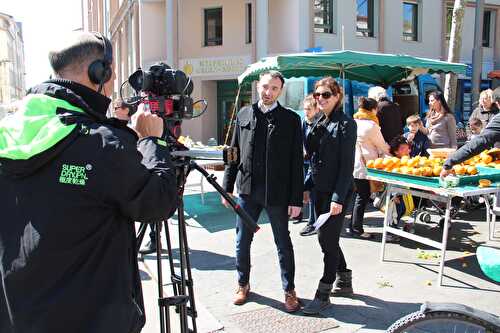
(334,86)
(438,96)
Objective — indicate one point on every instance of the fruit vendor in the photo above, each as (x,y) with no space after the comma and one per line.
(487,139)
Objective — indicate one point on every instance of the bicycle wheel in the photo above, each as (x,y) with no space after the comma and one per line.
(441,322)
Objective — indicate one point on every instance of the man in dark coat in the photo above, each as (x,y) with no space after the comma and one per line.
(269,176)
(388,113)
(73,183)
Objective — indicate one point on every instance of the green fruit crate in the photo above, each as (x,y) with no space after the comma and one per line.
(483,173)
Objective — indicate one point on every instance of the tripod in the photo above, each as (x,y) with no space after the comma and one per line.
(182,283)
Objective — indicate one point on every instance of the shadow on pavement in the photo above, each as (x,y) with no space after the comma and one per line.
(375,313)
(202,260)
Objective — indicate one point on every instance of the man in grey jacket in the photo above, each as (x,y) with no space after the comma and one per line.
(487,139)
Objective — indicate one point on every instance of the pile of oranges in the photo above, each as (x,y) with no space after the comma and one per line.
(432,166)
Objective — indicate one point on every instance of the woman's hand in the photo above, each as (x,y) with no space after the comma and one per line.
(335,208)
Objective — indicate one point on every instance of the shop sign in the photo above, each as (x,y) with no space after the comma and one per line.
(215,66)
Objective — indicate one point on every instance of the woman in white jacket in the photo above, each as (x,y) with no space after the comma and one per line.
(370,144)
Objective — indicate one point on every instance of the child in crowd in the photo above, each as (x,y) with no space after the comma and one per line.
(476,126)
(419,142)
(399,147)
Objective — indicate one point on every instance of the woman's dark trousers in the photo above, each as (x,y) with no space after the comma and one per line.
(361,199)
(329,236)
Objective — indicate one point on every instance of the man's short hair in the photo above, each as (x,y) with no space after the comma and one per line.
(275,75)
(395,143)
(377,93)
(311,100)
(414,118)
(75,53)
(475,122)
(495,96)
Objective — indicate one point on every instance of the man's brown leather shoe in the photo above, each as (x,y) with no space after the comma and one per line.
(291,301)
(241,295)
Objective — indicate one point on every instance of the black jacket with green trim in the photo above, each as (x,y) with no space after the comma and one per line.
(73,183)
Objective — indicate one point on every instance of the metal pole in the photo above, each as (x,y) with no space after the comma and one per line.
(477,51)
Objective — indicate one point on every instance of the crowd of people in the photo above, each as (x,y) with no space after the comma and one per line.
(334,150)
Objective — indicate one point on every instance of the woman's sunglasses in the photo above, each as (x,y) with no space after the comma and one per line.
(325,95)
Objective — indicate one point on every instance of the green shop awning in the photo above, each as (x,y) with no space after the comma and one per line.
(377,68)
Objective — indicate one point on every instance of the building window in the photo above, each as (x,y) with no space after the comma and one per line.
(364,18)
(486,28)
(323,16)
(248,16)
(410,21)
(213,26)
(486,25)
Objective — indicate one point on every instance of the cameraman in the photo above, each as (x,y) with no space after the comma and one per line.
(73,183)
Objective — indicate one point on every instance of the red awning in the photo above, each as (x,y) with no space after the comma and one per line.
(494,74)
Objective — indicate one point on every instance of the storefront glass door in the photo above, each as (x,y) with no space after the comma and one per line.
(226,96)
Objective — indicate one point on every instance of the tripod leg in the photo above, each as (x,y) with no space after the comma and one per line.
(140,235)
(171,260)
(160,281)
(192,306)
(182,264)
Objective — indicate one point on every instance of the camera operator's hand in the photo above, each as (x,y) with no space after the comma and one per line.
(121,113)
(147,124)
(225,202)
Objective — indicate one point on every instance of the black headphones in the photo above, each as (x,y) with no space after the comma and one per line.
(100,70)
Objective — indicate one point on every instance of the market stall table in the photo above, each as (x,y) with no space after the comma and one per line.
(430,191)
(207,158)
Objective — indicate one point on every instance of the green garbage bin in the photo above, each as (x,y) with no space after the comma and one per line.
(489,260)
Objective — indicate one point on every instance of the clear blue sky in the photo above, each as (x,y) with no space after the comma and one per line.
(43,22)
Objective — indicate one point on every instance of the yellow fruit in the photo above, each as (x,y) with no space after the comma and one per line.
(404,161)
(484,182)
(370,164)
(470,161)
(486,158)
(427,172)
(387,162)
(412,162)
(459,169)
(406,170)
(378,163)
(436,170)
(395,162)
(471,170)
(396,170)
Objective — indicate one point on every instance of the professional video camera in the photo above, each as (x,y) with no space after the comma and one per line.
(163,91)
(166,92)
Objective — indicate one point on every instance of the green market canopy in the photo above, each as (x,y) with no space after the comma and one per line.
(376,68)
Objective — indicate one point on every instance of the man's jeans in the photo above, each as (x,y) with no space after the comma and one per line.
(278,216)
